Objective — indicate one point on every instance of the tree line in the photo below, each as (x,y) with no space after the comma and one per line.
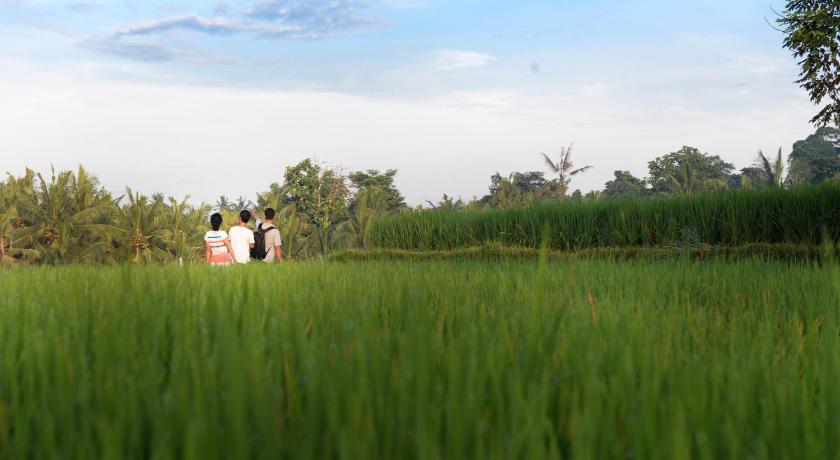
(69,217)
(685,172)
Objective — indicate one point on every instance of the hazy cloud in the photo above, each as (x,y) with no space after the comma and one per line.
(136,51)
(460,60)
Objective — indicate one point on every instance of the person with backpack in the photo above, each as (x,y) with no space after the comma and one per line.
(268,245)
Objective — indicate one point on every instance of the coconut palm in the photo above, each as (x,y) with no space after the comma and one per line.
(371,205)
(141,224)
(773,172)
(182,228)
(65,219)
(564,168)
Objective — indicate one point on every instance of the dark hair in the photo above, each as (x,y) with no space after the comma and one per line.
(216,221)
(245,216)
(269,214)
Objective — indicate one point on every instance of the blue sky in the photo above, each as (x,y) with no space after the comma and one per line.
(185,97)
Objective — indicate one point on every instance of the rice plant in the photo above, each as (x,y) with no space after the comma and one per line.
(574,359)
(802,216)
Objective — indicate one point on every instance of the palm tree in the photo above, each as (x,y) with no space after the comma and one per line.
(141,225)
(773,172)
(687,181)
(564,168)
(223,204)
(371,205)
(65,218)
(182,228)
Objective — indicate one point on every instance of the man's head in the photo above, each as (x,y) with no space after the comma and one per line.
(244,217)
(269,214)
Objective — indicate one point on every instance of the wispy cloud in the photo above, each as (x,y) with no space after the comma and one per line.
(276,19)
(460,60)
(135,51)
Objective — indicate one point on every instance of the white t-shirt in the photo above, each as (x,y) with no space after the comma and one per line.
(217,241)
(241,239)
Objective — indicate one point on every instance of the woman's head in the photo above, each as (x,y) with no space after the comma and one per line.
(216,221)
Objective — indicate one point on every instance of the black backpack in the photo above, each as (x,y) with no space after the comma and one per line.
(258,251)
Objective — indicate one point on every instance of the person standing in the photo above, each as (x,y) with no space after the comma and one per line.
(217,245)
(270,237)
(242,239)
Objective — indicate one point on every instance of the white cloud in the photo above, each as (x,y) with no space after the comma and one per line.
(460,60)
(172,138)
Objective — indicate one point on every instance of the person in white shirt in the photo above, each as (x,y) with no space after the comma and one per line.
(242,239)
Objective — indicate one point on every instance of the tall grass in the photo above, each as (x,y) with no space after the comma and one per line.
(802,216)
(593,359)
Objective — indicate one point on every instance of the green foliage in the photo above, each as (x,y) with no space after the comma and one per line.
(625,185)
(815,159)
(734,218)
(812,34)
(63,219)
(71,218)
(371,204)
(583,359)
(319,194)
(372,178)
(688,171)
(518,189)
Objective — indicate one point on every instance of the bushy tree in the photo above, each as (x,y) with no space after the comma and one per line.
(625,185)
(319,194)
(688,171)
(816,158)
(519,189)
(812,34)
(383,181)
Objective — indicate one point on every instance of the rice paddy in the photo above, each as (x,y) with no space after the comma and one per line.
(445,359)
(802,216)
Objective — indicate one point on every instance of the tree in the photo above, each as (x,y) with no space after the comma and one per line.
(142,230)
(382,181)
(65,219)
(224,204)
(773,172)
(519,189)
(319,194)
(688,171)
(564,168)
(372,204)
(812,34)
(816,158)
(448,203)
(625,185)
(182,229)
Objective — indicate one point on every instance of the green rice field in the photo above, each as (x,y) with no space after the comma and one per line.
(805,216)
(573,359)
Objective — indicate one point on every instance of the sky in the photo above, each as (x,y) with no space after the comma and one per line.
(210,98)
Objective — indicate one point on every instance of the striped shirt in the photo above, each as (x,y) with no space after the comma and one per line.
(217,241)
